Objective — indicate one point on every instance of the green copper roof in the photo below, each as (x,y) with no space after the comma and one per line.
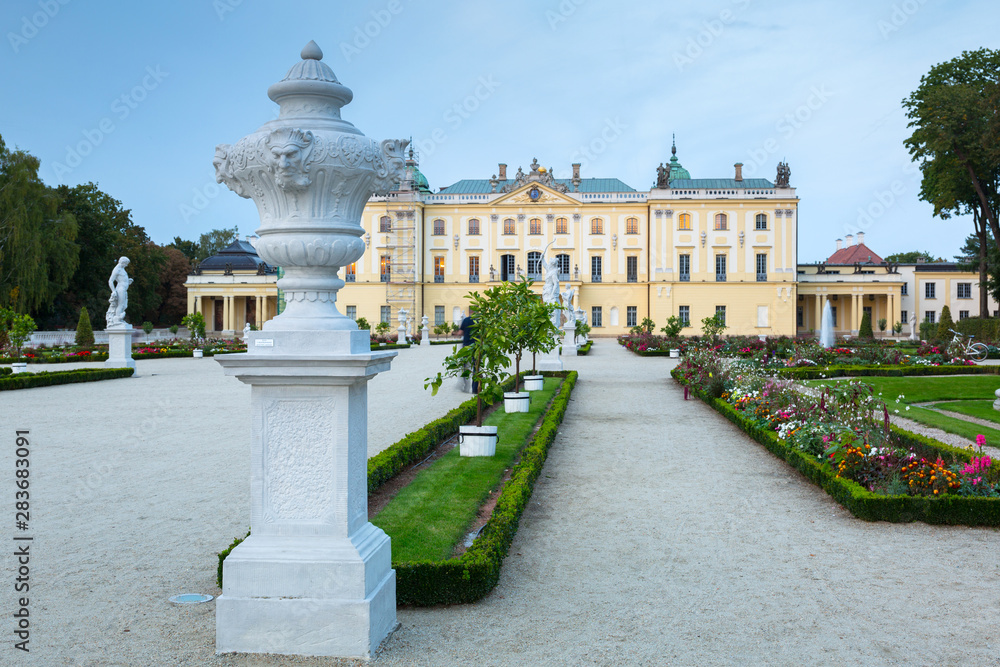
(720,183)
(478,186)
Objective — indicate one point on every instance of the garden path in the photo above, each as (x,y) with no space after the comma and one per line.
(657,534)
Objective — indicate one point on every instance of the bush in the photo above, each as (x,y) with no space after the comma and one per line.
(673,327)
(943,333)
(195,322)
(713,326)
(84,331)
(820,373)
(147,327)
(927,330)
(50,378)
(987,329)
(865,332)
(363,324)
(174,329)
(584,349)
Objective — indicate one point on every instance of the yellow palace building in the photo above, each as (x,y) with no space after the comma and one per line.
(686,247)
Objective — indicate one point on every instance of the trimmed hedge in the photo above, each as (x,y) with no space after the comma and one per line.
(947,509)
(6,370)
(584,349)
(475,573)
(49,378)
(826,372)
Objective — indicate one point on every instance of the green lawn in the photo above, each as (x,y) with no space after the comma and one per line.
(432,514)
(954,425)
(981,409)
(927,389)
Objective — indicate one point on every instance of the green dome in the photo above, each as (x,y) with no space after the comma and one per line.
(676,170)
(420,183)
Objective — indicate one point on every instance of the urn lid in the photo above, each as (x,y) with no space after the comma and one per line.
(310,86)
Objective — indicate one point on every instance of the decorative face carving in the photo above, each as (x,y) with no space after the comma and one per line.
(289,158)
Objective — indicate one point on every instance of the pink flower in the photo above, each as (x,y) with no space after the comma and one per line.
(980,439)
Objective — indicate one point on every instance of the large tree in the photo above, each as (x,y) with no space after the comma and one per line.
(211,243)
(38,253)
(956,137)
(189,248)
(985,260)
(173,294)
(912,257)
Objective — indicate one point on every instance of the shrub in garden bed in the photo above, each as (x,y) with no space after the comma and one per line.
(49,378)
(818,373)
(584,349)
(842,440)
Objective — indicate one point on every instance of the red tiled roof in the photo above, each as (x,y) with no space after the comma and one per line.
(854,253)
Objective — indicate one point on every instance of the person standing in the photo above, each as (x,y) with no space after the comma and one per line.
(468,338)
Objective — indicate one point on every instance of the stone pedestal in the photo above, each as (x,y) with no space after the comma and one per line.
(569,339)
(550,361)
(120,347)
(401,335)
(314,577)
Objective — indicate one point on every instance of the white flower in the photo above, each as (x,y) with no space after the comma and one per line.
(907,407)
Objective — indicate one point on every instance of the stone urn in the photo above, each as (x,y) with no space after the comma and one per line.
(996,403)
(477,440)
(197,354)
(675,354)
(533,382)
(516,401)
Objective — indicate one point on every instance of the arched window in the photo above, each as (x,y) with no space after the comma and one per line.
(535,265)
(721,222)
(535,226)
(762,221)
(385,224)
(508,227)
(562,227)
(596,226)
(474,227)
(632,226)
(439,227)
(684,221)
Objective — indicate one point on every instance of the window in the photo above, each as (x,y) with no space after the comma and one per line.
(761,221)
(439,269)
(595,316)
(350,272)
(631,314)
(563,261)
(438,315)
(534,265)
(963,315)
(507,267)
(720,313)
(721,222)
(352,312)
(867,310)
(385,224)
(799,317)
(684,221)
(595,269)
(632,269)
(535,226)
(385,313)
(930,316)
(684,266)
(596,226)
(904,316)
(833,314)
(474,268)
(632,226)
(684,315)
(762,268)
(964,290)
(474,227)
(762,317)
(720,268)
(384,268)
(439,227)
(508,227)
(562,227)
(905,290)
(929,290)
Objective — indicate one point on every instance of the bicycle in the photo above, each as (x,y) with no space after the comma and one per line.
(974,351)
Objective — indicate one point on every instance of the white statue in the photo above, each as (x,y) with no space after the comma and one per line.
(246,332)
(567,302)
(118,282)
(913,327)
(550,288)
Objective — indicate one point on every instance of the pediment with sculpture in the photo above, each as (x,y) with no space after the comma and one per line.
(535,193)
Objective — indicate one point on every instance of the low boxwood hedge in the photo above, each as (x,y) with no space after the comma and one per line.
(49,378)
(820,372)
(947,509)
(6,370)
(584,349)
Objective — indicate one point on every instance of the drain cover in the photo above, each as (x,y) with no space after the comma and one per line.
(190,598)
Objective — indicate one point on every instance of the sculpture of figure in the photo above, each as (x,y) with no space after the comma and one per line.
(567,301)
(663,176)
(118,302)
(246,332)
(913,326)
(784,173)
(290,150)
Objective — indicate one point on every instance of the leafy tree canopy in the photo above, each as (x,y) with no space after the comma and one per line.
(912,257)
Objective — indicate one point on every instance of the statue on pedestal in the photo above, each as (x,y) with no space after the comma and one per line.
(118,302)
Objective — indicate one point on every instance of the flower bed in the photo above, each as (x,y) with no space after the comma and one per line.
(842,440)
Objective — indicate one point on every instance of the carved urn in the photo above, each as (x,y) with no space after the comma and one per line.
(310,173)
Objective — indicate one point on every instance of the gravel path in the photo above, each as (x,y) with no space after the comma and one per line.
(657,534)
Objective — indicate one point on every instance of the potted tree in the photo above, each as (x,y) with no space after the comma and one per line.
(543,338)
(195,323)
(19,329)
(485,360)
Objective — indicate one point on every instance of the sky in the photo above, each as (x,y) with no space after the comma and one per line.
(135,96)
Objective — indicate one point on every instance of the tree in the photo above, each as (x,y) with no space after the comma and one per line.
(171,290)
(673,327)
(956,136)
(912,257)
(18,329)
(189,248)
(212,242)
(985,260)
(713,326)
(528,322)
(865,332)
(84,330)
(195,323)
(944,325)
(38,251)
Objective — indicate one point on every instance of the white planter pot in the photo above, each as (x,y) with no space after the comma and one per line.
(516,401)
(477,440)
(675,354)
(198,354)
(19,367)
(533,382)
